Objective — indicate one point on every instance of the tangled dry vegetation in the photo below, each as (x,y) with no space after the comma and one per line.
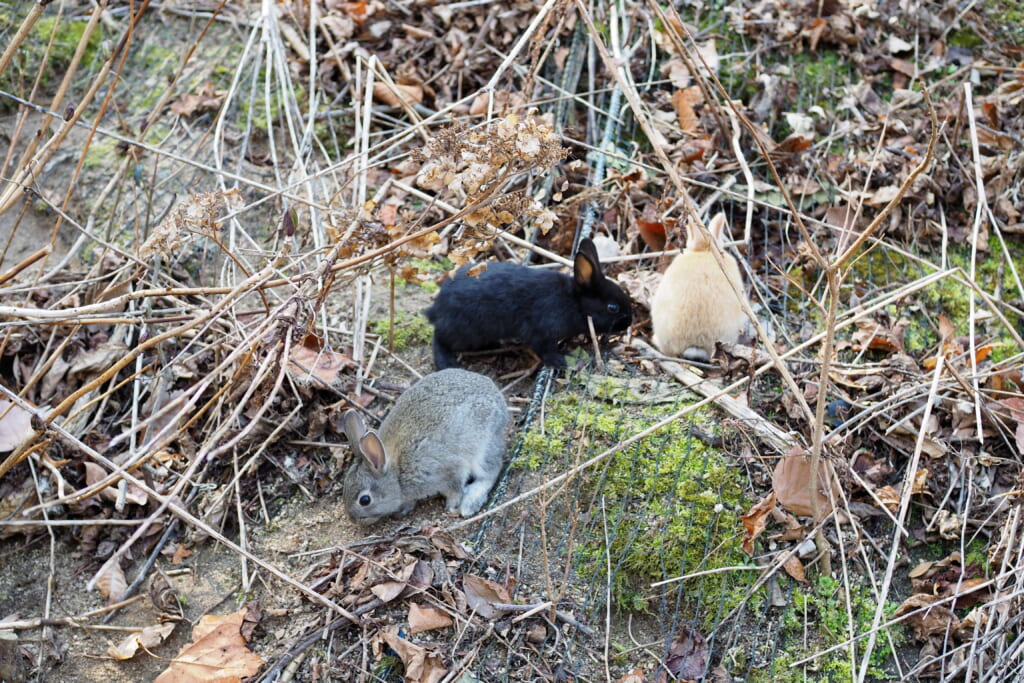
(220,220)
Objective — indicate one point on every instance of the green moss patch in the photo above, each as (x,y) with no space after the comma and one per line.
(669,504)
(411,329)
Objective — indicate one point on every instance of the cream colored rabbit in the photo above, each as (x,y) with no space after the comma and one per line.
(695,306)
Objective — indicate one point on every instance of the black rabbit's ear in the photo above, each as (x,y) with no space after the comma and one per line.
(372,450)
(586,270)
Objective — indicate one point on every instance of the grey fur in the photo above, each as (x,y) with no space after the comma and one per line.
(444,436)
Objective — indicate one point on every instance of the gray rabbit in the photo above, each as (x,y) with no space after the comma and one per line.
(444,436)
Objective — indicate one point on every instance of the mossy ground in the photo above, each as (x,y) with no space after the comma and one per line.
(671,504)
(410,329)
(64,32)
(994,274)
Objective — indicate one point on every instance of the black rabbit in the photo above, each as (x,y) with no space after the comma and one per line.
(534,306)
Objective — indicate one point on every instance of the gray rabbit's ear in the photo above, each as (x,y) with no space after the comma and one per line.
(372,450)
(354,427)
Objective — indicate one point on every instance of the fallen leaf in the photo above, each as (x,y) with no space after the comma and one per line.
(218,652)
(312,358)
(181,553)
(634,676)
(481,594)
(871,334)
(932,619)
(95,474)
(388,590)
(888,496)
(112,583)
(207,99)
(421,665)
(792,484)
(795,568)
(445,542)
(684,101)
(147,639)
(754,522)
(687,657)
(1016,406)
(407,95)
(427,618)
(15,425)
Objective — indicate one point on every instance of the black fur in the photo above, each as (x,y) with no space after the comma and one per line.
(536,307)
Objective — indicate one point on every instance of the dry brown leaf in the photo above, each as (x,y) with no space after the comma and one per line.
(181,553)
(754,522)
(112,583)
(312,358)
(15,425)
(482,593)
(147,638)
(95,474)
(1016,406)
(421,665)
(684,101)
(792,484)
(388,590)
(217,654)
(445,542)
(408,95)
(871,334)
(888,496)
(932,620)
(207,99)
(882,195)
(920,570)
(634,676)
(687,658)
(427,618)
(795,568)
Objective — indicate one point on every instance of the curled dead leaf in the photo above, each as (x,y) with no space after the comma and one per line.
(795,568)
(312,360)
(398,95)
(754,522)
(926,617)
(421,665)
(147,639)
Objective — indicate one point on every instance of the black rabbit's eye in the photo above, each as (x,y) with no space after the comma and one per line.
(364,499)
(613,308)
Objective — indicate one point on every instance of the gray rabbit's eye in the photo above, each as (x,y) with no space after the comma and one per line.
(364,499)
(613,308)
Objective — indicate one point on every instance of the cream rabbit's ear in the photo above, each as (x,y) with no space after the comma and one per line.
(695,239)
(716,226)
